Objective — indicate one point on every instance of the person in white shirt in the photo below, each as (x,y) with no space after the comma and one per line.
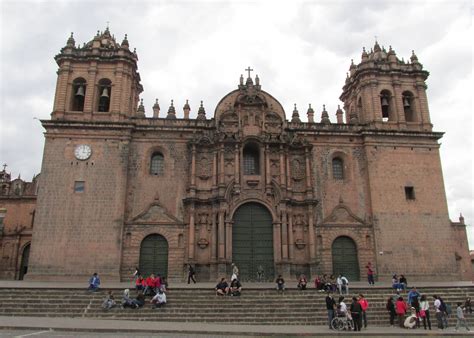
(159,300)
(439,313)
(342,284)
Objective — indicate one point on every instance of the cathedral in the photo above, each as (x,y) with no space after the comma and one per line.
(247,183)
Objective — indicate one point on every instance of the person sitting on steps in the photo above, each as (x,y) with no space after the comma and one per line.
(280,283)
(159,300)
(126,300)
(94,282)
(109,301)
(302,281)
(222,288)
(235,287)
(139,301)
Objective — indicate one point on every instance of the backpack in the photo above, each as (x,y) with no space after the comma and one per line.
(442,307)
(448,309)
(344,281)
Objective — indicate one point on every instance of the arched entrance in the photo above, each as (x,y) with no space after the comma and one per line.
(154,255)
(344,258)
(25,257)
(252,242)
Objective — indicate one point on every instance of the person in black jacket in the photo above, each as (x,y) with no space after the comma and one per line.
(330,306)
(191,274)
(356,312)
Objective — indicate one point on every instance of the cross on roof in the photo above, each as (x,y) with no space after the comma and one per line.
(249,70)
(4,166)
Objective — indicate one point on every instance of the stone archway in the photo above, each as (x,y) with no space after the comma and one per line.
(154,255)
(252,242)
(345,260)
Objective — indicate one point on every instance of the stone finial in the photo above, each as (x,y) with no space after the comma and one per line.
(310,114)
(325,116)
(364,56)
(71,42)
(125,42)
(296,116)
(377,47)
(201,112)
(241,82)
(257,80)
(413,58)
(171,112)
(461,218)
(186,109)
(339,115)
(141,109)
(156,109)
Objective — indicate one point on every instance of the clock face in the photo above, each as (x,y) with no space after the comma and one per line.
(83,152)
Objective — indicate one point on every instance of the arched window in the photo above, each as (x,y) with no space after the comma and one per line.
(408,106)
(157,164)
(385,103)
(337,168)
(251,160)
(78,94)
(105,92)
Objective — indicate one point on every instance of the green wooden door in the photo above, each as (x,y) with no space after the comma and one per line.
(344,258)
(154,256)
(252,242)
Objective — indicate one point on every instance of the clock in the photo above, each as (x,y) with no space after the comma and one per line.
(83,152)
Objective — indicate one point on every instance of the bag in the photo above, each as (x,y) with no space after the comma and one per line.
(422,313)
(448,309)
(344,282)
(442,307)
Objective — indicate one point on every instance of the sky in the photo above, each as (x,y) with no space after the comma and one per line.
(196,50)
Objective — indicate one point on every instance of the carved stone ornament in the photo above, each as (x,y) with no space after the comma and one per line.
(300,244)
(203,243)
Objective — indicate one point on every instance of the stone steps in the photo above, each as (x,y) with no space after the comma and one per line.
(255,306)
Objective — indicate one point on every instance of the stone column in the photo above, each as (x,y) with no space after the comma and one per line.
(221,164)
(288,172)
(312,251)
(63,89)
(277,241)
(116,95)
(309,189)
(89,100)
(214,237)
(267,165)
(228,241)
(214,169)
(191,233)
(237,167)
(284,236)
(193,166)
(398,102)
(282,168)
(376,108)
(221,236)
(291,240)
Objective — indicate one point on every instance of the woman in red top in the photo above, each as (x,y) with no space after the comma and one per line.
(139,283)
(401,309)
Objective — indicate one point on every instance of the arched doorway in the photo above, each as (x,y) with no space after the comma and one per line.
(25,257)
(344,258)
(154,255)
(252,242)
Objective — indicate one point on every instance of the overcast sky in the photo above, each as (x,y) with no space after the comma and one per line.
(197,50)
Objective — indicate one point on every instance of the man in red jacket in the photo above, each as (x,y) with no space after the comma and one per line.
(365,305)
(401,309)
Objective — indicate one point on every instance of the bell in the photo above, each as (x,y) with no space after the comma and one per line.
(80,91)
(406,103)
(384,102)
(105,92)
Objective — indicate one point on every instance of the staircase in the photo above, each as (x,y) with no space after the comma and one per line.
(255,306)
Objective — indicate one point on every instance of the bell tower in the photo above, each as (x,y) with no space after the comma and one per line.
(386,92)
(97,81)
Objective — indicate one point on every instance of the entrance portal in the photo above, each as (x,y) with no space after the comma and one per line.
(154,256)
(344,258)
(252,243)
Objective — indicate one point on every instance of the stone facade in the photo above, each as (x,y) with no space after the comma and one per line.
(17,212)
(112,176)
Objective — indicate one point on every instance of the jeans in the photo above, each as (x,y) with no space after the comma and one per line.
(439,319)
(330,317)
(370,278)
(462,321)
(356,317)
(426,319)
(364,317)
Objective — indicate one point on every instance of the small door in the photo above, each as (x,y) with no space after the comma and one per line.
(25,257)
(154,255)
(344,258)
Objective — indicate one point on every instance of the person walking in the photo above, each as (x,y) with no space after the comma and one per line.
(439,312)
(365,305)
(191,274)
(425,311)
(391,310)
(356,313)
(94,282)
(461,320)
(330,306)
(370,274)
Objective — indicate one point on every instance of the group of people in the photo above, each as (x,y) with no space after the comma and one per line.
(234,289)
(356,312)
(416,310)
(399,283)
(332,284)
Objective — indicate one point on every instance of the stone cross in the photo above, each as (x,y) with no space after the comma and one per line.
(249,70)
(4,166)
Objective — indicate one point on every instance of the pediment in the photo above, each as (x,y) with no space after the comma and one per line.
(156,213)
(342,214)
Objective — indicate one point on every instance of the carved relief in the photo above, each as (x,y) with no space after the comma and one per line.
(202,230)
(204,165)
(300,230)
(272,123)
